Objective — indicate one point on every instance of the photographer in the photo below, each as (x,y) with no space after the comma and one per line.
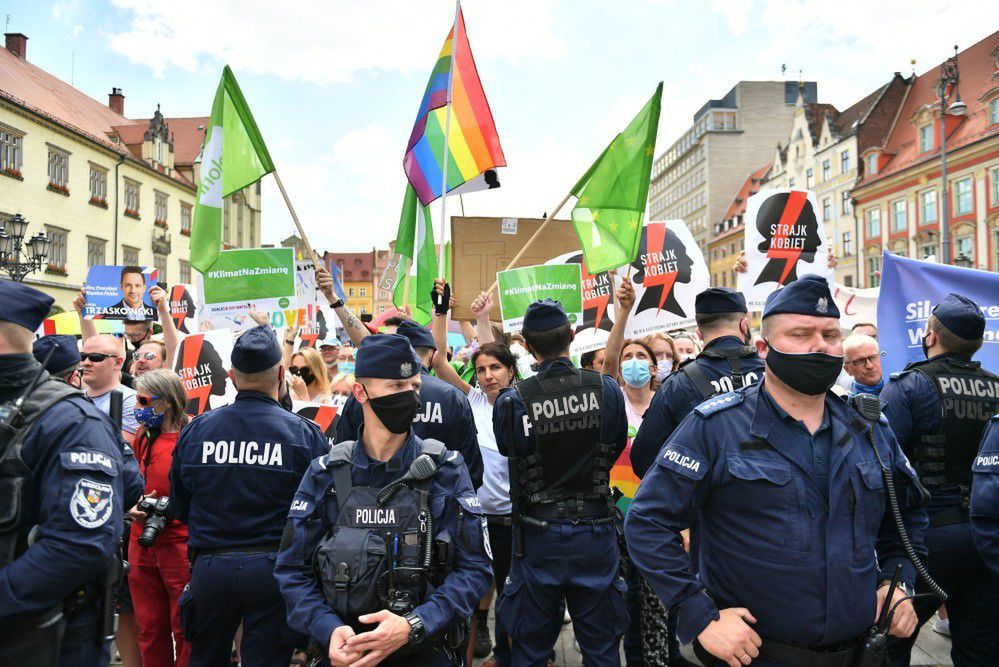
(158,545)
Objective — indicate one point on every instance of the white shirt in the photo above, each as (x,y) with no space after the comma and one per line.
(494,494)
(103,403)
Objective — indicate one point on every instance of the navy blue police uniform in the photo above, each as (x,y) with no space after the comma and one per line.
(351,548)
(61,500)
(985,496)
(793,524)
(444,413)
(725,364)
(938,409)
(234,472)
(568,427)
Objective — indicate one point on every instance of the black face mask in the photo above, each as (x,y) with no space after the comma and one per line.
(926,348)
(810,373)
(308,377)
(396,411)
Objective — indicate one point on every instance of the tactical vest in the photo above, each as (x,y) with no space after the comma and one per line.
(15,474)
(380,556)
(569,462)
(736,379)
(969,396)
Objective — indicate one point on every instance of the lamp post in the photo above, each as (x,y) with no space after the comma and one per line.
(18,257)
(947,87)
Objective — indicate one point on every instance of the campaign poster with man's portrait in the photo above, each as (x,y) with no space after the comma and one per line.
(784,239)
(119,293)
(203,366)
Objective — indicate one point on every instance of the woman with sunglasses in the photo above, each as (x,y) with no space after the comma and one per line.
(159,572)
(308,380)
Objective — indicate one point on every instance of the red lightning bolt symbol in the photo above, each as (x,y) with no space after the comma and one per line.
(657,239)
(778,244)
(599,301)
(192,351)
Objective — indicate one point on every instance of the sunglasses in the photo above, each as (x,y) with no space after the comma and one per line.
(146,401)
(148,356)
(295,370)
(95,357)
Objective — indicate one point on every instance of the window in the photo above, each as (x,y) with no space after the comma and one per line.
(845,203)
(98,185)
(994,183)
(364,291)
(963,197)
(132,198)
(58,167)
(239,224)
(994,111)
(185,218)
(723,120)
(350,291)
(826,169)
(873,270)
(130,255)
(11,150)
(225,221)
(926,250)
(872,164)
(160,206)
(160,262)
(844,162)
(827,209)
(57,248)
(874,223)
(253,233)
(926,137)
(95,251)
(965,245)
(928,206)
(185,271)
(847,244)
(809,178)
(899,219)
(848,281)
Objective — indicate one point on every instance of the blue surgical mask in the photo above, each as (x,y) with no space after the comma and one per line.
(345,366)
(636,372)
(148,417)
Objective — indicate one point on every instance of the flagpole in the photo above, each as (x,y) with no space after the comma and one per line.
(447,132)
(531,240)
(294,216)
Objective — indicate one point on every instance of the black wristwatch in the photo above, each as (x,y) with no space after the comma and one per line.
(416,630)
(337,304)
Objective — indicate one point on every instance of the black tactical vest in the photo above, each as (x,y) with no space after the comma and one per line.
(564,410)
(736,379)
(969,396)
(380,556)
(15,473)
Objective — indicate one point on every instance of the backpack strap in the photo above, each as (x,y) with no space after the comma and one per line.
(700,379)
(338,463)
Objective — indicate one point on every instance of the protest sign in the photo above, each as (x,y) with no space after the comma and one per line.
(260,279)
(856,305)
(909,290)
(203,365)
(323,416)
(598,293)
(481,247)
(784,239)
(518,288)
(183,308)
(119,293)
(667,274)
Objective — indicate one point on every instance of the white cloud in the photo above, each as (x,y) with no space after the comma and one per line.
(326,42)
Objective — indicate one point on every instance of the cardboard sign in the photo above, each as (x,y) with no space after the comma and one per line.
(518,288)
(857,305)
(119,293)
(261,279)
(785,238)
(598,297)
(203,364)
(480,248)
(323,416)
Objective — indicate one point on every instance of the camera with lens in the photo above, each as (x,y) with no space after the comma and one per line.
(157,517)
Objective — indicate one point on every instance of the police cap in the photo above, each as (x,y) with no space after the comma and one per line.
(388,356)
(545,314)
(808,295)
(720,300)
(256,350)
(23,305)
(65,353)
(961,316)
(417,335)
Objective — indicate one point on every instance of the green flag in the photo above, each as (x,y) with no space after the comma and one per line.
(234,156)
(613,193)
(415,243)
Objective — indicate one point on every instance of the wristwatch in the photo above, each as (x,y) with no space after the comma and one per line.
(337,304)
(416,630)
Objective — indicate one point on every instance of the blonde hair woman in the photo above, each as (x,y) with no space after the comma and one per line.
(667,358)
(308,380)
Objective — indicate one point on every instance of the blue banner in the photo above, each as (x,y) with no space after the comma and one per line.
(909,290)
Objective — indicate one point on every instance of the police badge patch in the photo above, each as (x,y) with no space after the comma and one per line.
(822,305)
(91,503)
(406,369)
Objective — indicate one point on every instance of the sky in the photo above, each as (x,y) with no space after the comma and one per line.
(335,86)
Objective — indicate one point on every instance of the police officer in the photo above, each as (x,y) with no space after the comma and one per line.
(727,362)
(561,430)
(61,500)
(785,481)
(985,496)
(444,411)
(235,470)
(399,541)
(938,409)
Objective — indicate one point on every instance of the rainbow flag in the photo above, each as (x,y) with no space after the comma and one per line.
(473,146)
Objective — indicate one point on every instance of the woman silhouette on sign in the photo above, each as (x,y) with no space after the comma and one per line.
(665,264)
(200,368)
(790,232)
(594,307)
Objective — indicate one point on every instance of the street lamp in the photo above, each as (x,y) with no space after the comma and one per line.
(947,87)
(17,257)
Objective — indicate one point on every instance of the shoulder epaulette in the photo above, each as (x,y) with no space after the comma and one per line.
(434,448)
(720,403)
(342,452)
